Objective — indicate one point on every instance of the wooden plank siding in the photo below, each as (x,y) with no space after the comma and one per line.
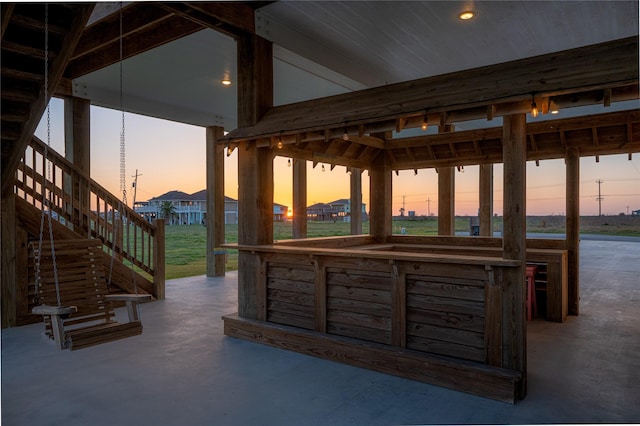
(430,305)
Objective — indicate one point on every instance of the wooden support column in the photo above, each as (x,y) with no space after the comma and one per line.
(159,260)
(77,144)
(446,194)
(486,200)
(255,165)
(356,202)
(299,198)
(573,229)
(216,256)
(380,198)
(8,261)
(514,349)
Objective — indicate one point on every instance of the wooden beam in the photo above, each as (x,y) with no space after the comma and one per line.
(7,13)
(147,38)
(446,193)
(573,229)
(518,79)
(81,14)
(299,198)
(232,19)
(255,165)
(355,183)
(8,263)
(136,17)
(216,256)
(380,199)
(486,200)
(514,323)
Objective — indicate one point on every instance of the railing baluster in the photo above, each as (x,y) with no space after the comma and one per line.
(69,205)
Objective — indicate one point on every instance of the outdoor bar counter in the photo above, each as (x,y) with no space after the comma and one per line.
(432,317)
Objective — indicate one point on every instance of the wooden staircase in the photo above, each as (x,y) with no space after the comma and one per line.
(81,208)
(23,66)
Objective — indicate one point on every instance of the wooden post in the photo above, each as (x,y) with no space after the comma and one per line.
(356,202)
(486,200)
(77,144)
(215,203)
(514,146)
(255,165)
(446,194)
(299,198)
(380,198)
(158,260)
(8,262)
(573,229)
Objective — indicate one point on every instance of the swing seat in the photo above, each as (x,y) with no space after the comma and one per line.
(85,316)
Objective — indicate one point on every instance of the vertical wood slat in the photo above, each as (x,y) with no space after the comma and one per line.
(261,290)
(493,317)
(320,296)
(398,307)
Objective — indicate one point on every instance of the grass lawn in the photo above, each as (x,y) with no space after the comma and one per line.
(185,253)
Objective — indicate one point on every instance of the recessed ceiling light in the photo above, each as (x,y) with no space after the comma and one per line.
(226,82)
(466,15)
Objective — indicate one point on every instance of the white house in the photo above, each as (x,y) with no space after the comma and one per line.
(191,209)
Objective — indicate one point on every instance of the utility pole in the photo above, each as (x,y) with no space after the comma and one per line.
(404,203)
(135,187)
(428,207)
(599,182)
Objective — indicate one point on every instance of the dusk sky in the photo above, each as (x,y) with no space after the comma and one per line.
(171,156)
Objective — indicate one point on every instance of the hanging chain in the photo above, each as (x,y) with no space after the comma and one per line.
(123,174)
(46,201)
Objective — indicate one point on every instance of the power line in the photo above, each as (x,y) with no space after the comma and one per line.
(599,198)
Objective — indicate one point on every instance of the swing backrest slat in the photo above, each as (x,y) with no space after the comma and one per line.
(81,279)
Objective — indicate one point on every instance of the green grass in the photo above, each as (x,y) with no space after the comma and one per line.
(185,245)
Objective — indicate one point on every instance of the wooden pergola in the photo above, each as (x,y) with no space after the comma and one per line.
(446,310)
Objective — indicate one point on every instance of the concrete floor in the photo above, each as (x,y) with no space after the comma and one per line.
(183,371)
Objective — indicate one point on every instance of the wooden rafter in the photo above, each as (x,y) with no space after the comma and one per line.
(229,18)
(510,93)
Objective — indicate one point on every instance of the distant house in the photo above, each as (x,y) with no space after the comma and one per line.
(191,209)
(635,213)
(338,210)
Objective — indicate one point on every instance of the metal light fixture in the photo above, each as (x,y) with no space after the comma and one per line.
(466,15)
(534,108)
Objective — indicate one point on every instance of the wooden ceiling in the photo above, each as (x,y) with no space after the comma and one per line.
(595,75)
(148,25)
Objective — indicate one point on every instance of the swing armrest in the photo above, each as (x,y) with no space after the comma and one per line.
(54,310)
(135,298)
(132,301)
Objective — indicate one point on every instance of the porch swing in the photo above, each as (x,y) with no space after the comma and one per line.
(71,286)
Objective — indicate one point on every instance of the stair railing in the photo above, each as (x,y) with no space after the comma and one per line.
(90,210)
